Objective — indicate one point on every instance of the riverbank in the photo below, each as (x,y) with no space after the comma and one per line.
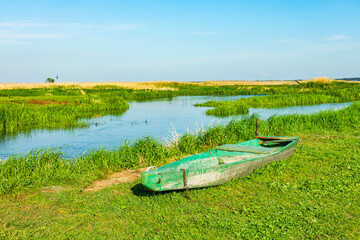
(301,197)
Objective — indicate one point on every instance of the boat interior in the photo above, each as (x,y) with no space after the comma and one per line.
(229,153)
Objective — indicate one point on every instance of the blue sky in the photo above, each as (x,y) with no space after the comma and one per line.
(143,40)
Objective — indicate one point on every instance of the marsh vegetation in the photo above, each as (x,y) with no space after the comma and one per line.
(300,197)
(308,93)
(62,107)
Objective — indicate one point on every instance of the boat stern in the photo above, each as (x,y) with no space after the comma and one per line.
(158,181)
(151,180)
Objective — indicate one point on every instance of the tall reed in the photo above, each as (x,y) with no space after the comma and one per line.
(276,101)
(223,111)
(16,117)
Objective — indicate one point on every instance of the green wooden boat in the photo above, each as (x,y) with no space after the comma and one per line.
(219,165)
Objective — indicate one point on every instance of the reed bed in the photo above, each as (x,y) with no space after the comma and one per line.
(223,111)
(280,100)
(15,117)
(47,168)
(274,101)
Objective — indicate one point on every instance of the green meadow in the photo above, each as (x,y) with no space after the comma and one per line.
(314,194)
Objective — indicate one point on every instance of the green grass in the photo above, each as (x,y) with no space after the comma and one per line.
(274,101)
(225,108)
(223,111)
(313,195)
(15,118)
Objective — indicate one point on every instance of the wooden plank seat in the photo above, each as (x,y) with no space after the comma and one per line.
(241,148)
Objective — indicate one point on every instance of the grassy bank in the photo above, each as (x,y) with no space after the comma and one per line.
(309,93)
(18,116)
(313,194)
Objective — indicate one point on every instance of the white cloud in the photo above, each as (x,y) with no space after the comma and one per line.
(336,43)
(336,46)
(264,73)
(27,36)
(32,30)
(33,24)
(118,26)
(285,40)
(12,42)
(21,24)
(339,37)
(204,33)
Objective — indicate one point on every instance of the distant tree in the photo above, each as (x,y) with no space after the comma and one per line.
(49,80)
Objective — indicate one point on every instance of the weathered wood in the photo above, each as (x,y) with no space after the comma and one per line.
(250,149)
(219,165)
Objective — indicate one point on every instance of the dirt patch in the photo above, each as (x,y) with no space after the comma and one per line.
(115,178)
(52,189)
(44,102)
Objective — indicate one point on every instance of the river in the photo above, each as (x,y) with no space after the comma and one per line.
(157,118)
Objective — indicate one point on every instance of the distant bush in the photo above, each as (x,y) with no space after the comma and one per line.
(49,80)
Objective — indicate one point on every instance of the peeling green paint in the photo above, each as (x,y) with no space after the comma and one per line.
(220,165)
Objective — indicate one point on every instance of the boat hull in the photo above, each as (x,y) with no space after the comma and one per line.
(213,175)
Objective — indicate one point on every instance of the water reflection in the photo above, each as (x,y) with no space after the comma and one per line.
(155,118)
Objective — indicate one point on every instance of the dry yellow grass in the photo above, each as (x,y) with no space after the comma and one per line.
(158,85)
(131,85)
(322,80)
(252,83)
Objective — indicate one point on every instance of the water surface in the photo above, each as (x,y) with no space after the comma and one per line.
(157,118)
